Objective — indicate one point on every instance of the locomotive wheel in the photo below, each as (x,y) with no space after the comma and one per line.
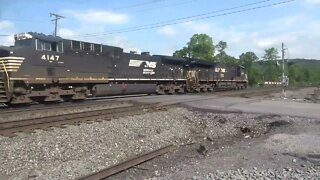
(171,91)
(160,90)
(204,89)
(180,90)
(21,99)
(54,97)
(197,90)
(79,96)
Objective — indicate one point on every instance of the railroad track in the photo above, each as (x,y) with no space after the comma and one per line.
(29,125)
(105,173)
(74,118)
(104,100)
(45,107)
(58,110)
(207,96)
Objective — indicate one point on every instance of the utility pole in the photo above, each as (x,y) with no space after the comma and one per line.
(284,79)
(57,17)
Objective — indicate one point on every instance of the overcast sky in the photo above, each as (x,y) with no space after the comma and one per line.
(152,25)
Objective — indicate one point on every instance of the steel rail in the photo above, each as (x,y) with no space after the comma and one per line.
(128,164)
(41,107)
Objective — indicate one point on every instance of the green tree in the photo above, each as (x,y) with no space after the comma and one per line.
(271,54)
(271,70)
(295,74)
(221,46)
(222,56)
(226,59)
(247,59)
(184,52)
(254,76)
(200,46)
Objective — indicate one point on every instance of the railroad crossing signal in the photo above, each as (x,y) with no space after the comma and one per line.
(284,80)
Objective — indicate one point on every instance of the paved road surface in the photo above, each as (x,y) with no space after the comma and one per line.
(259,106)
(237,104)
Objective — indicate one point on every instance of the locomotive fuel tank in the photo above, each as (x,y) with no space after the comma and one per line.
(123,89)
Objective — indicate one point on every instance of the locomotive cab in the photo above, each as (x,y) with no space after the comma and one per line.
(39,42)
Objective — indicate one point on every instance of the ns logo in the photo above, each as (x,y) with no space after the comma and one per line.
(150,64)
(146,64)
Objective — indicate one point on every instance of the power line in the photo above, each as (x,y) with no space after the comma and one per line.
(179,19)
(117,8)
(162,7)
(24,21)
(217,11)
(187,19)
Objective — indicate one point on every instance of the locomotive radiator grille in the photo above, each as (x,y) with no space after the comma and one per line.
(10,64)
(7,64)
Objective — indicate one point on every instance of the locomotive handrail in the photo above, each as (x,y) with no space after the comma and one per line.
(7,74)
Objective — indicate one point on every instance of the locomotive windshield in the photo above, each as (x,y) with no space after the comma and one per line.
(40,42)
(23,39)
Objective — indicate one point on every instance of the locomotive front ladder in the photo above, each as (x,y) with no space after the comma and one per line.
(3,95)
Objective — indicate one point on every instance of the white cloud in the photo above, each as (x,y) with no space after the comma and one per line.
(111,40)
(6,25)
(98,17)
(7,28)
(124,43)
(313,1)
(167,31)
(266,42)
(302,41)
(7,41)
(288,21)
(64,32)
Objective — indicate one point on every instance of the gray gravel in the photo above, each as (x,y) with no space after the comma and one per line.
(79,150)
(286,173)
(75,151)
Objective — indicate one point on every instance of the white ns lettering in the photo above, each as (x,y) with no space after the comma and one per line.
(150,64)
(48,57)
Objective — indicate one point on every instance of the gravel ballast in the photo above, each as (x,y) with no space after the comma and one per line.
(288,173)
(76,151)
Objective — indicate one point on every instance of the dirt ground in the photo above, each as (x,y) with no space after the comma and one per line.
(297,95)
(288,143)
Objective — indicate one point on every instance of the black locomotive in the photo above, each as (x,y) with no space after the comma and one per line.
(41,68)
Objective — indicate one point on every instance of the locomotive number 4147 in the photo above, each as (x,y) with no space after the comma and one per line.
(48,57)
